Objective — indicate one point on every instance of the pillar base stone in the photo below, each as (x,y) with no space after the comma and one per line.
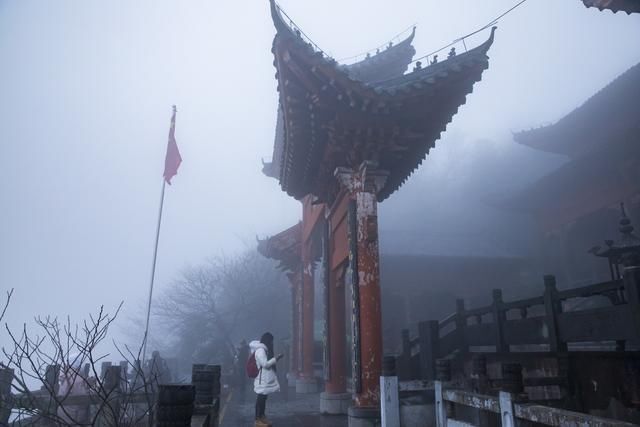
(334,403)
(364,417)
(306,386)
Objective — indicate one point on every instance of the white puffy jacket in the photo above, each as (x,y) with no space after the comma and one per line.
(267,381)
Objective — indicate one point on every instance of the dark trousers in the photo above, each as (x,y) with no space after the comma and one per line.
(261,404)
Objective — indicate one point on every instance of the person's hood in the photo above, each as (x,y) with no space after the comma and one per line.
(254,345)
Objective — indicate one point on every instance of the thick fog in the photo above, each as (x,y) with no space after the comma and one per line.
(86,92)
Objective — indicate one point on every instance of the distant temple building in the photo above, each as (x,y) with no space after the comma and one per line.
(578,205)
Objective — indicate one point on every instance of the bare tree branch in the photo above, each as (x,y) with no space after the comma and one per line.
(210,307)
(65,347)
(6,303)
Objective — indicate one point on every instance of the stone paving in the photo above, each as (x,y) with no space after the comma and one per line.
(282,410)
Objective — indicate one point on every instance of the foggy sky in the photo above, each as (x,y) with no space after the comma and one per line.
(86,93)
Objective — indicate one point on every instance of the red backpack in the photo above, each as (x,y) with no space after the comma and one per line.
(252,367)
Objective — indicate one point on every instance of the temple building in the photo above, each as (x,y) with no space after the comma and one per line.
(347,138)
(578,203)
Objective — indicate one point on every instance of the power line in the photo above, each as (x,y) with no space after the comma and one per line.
(493,22)
(462,39)
(297,28)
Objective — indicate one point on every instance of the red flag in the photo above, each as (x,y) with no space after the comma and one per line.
(172,160)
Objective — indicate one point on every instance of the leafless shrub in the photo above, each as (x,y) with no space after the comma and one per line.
(65,359)
(213,306)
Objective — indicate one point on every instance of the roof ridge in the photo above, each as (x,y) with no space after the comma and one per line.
(613,83)
(606,102)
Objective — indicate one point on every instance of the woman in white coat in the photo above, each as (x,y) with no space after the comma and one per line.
(267,380)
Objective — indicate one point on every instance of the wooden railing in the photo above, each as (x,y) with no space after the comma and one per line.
(503,403)
(506,411)
(543,322)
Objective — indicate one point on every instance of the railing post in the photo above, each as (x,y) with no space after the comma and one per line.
(124,375)
(52,380)
(202,380)
(499,318)
(553,307)
(406,343)
(428,336)
(206,382)
(441,407)
(480,384)
(175,404)
(512,378)
(631,277)
(461,326)
(389,400)
(404,367)
(137,385)
(564,373)
(479,373)
(86,370)
(112,387)
(443,370)
(506,409)
(6,378)
(104,367)
(217,389)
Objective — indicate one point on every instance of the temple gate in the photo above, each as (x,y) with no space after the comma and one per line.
(347,137)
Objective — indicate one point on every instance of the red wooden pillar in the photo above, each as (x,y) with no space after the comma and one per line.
(307,313)
(295,330)
(306,382)
(335,399)
(337,382)
(363,185)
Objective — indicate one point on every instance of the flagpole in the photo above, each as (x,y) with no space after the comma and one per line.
(171,163)
(153,272)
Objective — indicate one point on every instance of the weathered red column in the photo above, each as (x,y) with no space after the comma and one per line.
(306,382)
(337,382)
(335,399)
(295,331)
(363,185)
